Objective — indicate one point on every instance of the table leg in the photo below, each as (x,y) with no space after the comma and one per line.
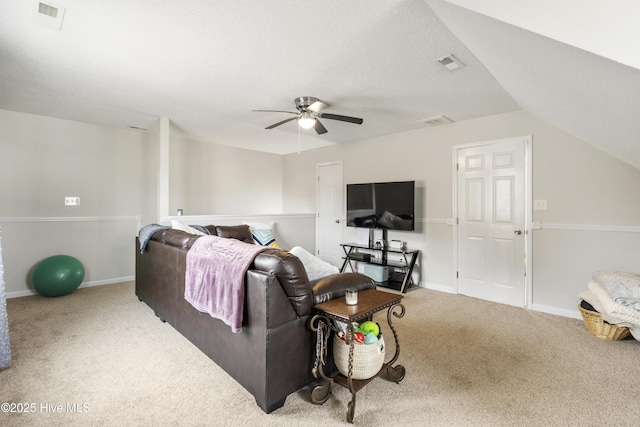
(320,392)
(351,408)
(395,373)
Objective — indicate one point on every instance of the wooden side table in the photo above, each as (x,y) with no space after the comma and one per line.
(370,301)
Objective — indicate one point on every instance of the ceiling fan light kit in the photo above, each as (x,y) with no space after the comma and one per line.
(308,114)
(306,121)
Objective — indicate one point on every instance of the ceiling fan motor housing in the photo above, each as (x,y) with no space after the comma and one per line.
(308,114)
(304,102)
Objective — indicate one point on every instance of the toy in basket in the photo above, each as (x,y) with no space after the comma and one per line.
(368,351)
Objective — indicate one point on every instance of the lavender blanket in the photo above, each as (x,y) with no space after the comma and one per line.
(214,277)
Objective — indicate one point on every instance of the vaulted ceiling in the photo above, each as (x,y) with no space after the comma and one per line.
(206,64)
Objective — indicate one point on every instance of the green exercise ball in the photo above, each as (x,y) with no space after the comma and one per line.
(57,275)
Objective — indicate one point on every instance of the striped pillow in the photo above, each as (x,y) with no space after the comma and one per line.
(263,234)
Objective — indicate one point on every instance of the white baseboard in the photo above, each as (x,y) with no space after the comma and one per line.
(573,314)
(557,311)
(29,292)
(437,287)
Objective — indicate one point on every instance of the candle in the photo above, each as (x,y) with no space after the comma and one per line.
(351,296)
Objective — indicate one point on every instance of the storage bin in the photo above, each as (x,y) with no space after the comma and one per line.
(367,358)
(379,273)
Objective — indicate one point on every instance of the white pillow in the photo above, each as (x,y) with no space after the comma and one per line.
(315,267)
(263,233)
(259,225)
(177,225)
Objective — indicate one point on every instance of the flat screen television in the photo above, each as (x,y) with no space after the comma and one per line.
(385,205)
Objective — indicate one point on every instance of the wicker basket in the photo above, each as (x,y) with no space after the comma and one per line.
(601,329)
(367,358)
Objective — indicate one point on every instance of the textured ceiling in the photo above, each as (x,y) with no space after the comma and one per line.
(589,96)
(606,28)
(205,64)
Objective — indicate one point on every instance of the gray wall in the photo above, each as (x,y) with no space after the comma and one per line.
(42,161)
(210,179)
(115,174)
(593,217)
(593,220)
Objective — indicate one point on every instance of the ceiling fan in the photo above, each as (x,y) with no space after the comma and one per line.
(308,114)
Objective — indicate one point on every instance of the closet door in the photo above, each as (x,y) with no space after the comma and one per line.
(329,212)
(491,222)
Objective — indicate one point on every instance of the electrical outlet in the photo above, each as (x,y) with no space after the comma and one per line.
(72,201)
(540,205)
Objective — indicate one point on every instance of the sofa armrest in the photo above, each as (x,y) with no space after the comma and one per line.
(266,301)
(335,286)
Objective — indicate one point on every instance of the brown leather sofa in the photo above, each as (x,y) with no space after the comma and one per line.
(273,356)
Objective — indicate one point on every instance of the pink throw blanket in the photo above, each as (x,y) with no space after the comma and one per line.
(214,277)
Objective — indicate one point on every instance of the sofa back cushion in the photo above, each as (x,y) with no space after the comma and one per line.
(287,268)
(240,232)
(292,277)
(177,238)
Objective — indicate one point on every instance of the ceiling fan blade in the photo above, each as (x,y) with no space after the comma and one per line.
(317,106)
(275,111)
(341,118)
(281,123)
(320,129)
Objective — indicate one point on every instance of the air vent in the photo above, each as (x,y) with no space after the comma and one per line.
(450,62)
(48,15)
(435,121)
(48,10)
(137,128)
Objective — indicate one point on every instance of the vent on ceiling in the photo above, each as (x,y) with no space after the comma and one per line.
(47,9)
(450,62)
(137,128)
(48,15)
(435,121)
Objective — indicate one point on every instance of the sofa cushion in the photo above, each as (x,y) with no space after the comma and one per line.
(177,225)
(314,266)
(292,277)
(211,229)
(335,286)
(177,238)
(240,232)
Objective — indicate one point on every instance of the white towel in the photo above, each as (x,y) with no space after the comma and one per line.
(589,297)
(615,313)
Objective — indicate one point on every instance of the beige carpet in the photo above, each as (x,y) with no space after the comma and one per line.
(468,362)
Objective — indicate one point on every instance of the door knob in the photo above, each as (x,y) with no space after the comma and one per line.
(337,221)
(518,232)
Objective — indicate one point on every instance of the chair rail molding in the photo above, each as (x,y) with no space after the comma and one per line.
(586,227)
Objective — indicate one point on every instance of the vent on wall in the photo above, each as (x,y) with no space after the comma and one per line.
(435,121)
(48,15)
(450,62)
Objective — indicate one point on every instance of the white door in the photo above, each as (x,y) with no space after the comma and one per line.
(329,195)
(491,230)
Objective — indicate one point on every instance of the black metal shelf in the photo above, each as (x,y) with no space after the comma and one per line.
(402,271)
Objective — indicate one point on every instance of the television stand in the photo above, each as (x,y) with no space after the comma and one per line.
(385,242)
(400,272)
